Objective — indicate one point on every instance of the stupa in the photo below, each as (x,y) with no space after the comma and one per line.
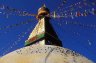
(43,46)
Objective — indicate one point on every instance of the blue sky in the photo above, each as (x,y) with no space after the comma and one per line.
(79,38)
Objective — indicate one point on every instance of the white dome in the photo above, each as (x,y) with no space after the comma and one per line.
(43,54)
